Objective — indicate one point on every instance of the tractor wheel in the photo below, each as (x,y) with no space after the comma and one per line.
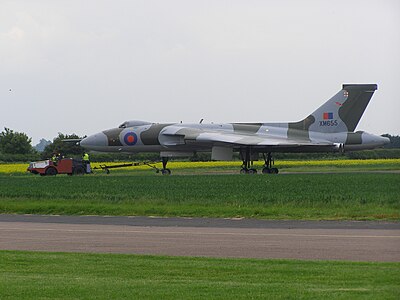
(51,171)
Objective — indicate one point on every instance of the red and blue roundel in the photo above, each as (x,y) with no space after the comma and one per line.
(130,138)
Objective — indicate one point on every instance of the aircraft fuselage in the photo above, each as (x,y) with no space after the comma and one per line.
(152,137)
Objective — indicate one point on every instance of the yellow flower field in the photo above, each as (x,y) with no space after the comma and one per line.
(13,168)
(21,168)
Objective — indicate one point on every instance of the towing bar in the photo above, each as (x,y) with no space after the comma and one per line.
(134,164)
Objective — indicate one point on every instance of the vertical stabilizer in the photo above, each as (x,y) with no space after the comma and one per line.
(353,108)
(341,113)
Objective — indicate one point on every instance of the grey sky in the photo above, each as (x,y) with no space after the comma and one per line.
(85,66)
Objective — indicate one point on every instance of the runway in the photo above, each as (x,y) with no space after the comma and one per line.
(317,240)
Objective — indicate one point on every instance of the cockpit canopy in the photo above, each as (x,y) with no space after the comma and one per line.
(134,123)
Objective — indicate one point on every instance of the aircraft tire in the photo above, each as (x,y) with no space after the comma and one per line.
(243,171)
(266,170)
(274,171)
(166,172)
(252,171)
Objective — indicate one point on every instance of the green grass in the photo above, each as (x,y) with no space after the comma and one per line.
(360,196)
(39,275)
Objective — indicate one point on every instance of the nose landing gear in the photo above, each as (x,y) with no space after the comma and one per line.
(164,169)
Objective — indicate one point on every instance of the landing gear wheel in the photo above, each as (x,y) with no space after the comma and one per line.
(266,170)
(252,171)
(270,170)
(248,155)
(166,171)
(51,171)
(269,161)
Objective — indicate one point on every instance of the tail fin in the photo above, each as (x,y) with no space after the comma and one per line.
(341,113)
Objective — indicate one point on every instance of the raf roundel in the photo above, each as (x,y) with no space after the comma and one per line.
(130,138)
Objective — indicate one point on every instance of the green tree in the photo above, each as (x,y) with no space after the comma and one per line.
(12,142)
(394,141)
(66,148)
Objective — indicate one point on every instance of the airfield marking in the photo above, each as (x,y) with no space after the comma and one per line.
(206,233)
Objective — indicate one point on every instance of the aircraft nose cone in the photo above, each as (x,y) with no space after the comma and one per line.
(94,141)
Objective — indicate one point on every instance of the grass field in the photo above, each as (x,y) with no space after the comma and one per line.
(361,196)
(38,275)
(351,194)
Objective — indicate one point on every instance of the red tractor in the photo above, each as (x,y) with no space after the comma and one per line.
(68,166)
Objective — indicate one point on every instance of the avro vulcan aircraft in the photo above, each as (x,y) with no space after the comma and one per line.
(328,129)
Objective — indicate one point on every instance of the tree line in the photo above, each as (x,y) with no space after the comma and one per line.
(17,147)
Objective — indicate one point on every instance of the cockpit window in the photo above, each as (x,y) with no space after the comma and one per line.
(133,123)
(123,125)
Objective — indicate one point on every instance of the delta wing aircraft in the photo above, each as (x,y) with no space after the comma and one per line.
(328,129)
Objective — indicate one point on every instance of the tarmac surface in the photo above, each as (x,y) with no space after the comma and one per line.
(320,240)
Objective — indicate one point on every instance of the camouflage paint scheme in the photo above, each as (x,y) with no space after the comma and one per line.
(328,129)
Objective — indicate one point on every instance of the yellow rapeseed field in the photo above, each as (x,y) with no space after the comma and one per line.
(13,168)
(21,168)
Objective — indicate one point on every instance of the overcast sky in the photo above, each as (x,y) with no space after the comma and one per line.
(85,66)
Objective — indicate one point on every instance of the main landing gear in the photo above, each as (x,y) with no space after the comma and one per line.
(248,158)
(269,161)
(247,166)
